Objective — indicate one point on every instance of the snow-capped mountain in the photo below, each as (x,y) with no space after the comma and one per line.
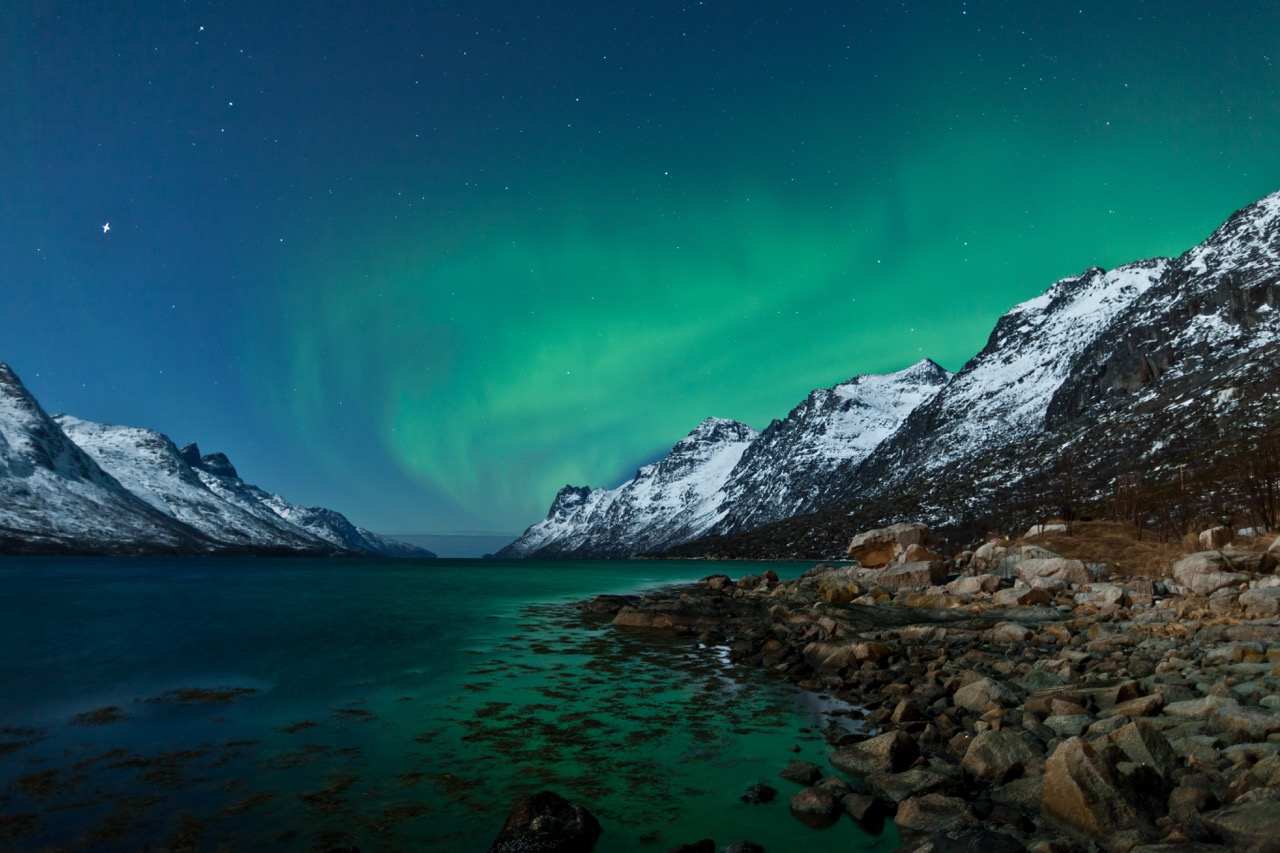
(70,485)
(53,496)
(725,476)
(788,470)
(1149,366)
(674,500)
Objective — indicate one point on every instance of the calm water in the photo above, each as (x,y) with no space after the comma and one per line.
(302,704)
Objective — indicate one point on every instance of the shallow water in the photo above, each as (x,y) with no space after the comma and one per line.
(302,704)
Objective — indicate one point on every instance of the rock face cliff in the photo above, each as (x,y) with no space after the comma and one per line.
(74,486)
(1147,368)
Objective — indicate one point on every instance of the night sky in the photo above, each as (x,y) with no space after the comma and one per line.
(426,263)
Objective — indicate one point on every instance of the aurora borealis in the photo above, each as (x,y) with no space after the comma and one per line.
(427,263)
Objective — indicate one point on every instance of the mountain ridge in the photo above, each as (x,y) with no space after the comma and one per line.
(1105,372)
(72,486)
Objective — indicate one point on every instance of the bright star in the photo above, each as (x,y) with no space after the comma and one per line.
(106,226)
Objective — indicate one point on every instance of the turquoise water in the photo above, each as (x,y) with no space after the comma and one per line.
(301,704)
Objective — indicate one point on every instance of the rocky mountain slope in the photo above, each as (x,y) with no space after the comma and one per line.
(1142,372)
(725,475)
(73,486)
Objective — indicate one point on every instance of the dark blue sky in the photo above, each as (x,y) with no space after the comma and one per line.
(427,262)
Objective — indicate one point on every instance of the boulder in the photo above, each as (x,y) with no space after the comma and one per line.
(1044,530)
(984,695)
(758,793)
(1206,572)
(864,808)
(1244,724)
(1104,596)
(829,657)
(1023,596)
(1260,603)
(988,555)
(912,576)
(917,554)
(1060,568)
(997,757)
(816,801)
(889,752)
(934,812)
(875,548)
(973,585)
(1246,825)
(1080,791)
(545,822)
(803,772)
(1215,538)
(1142,743)
(896,787)
(1009,632)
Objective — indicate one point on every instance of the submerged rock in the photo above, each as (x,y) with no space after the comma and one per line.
(546,822)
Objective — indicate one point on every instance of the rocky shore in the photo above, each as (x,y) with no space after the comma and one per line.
(1015,699)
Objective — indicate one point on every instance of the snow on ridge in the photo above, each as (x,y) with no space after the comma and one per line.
(1004,392)
(1247,242)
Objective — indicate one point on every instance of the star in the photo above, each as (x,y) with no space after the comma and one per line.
(106,226)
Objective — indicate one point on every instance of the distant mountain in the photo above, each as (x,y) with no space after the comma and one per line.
(73,486)
(1148,370)
(725,475)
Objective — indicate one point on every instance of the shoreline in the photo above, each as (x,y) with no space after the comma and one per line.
(1047,710)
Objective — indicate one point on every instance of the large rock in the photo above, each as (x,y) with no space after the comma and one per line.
(1244,724)
(912,576)
(999,756)
(1054,568)
(1080,791)
(1142,743)
(933,813)
(1260,603)
(547,823)
(889,752)
(876,548)
(1247,825)
(1206,572)
(984,695)
(1215,538)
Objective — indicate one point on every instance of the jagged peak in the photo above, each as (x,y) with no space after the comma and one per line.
(719,429)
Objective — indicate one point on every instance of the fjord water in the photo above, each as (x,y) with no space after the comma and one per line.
(303,704)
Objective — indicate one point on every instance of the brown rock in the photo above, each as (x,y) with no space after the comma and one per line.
(1215,538)
(815,801)
(1247,826)
(912,576)
(804,772)
(1246,724)
(1080,791)
(547,821)
(875,548)
(934,813)
(889,752)
(999,756)
(1143,743)
(1206,572)
(1054,568)
(1260,603)
(984,695)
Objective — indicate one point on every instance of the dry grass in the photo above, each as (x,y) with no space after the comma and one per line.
(1114,544)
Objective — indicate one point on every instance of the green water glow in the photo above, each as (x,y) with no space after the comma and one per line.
(385,704)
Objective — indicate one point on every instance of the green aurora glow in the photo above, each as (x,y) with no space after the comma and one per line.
(561,319)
